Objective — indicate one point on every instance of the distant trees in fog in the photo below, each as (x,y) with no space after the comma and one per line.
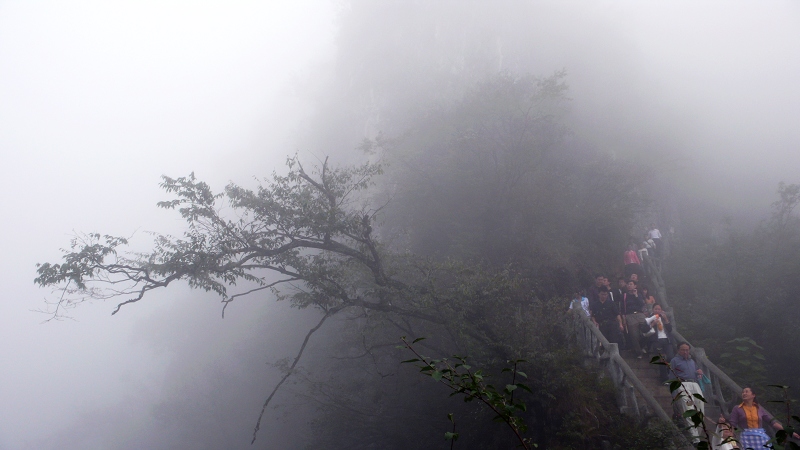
(742,290)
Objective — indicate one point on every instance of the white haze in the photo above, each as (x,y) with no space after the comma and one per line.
(99,99)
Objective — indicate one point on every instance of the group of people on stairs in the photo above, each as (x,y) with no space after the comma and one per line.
(626,316)
(630,316)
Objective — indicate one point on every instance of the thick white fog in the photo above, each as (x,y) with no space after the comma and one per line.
(99,99)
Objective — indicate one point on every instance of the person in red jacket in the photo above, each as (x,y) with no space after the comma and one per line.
(632,263)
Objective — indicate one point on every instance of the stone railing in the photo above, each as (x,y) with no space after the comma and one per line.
(595,345)
(627,385)
(724,392)
(653,271)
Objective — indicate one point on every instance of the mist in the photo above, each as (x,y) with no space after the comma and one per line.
(98,101)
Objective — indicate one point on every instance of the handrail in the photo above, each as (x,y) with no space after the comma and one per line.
(611,353)
(718,379)
(700,356)
(625,381)
(627,384)
(717,376)
(654,273)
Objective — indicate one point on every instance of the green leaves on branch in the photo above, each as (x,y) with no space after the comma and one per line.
(695,415)
(472,385)
(781,440)
(89,251)
(308,231)
(451,436)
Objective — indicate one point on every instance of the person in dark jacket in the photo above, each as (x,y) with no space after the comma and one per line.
(594,289)
(622,288)
(630,308)
(605,316)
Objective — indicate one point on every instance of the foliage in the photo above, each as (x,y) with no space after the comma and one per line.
(781,440)
(783,207)
(494,176)
(493,213)
(473,385)
(300,227)
(747,281)
(310,234)
(386,404)
(745,361)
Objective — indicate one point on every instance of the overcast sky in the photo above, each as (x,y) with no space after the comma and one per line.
(728,70)
(711,82)
(99,99)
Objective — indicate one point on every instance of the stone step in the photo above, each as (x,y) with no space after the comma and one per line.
(648,375)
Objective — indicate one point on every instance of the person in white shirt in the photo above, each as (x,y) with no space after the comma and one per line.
(579,301)
(655,235)
(660,324)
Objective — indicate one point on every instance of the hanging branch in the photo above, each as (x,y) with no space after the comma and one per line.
(289,372)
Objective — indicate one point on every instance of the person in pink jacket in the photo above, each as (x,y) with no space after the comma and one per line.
(632,263)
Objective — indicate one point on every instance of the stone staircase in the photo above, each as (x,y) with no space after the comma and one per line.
(648,374)
(640,390)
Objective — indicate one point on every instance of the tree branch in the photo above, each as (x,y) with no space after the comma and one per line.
(230,299)
(328,314)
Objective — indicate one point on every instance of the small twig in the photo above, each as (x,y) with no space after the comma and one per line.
(228,300)
(329,313)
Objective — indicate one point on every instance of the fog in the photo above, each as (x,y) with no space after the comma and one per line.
(98,100)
